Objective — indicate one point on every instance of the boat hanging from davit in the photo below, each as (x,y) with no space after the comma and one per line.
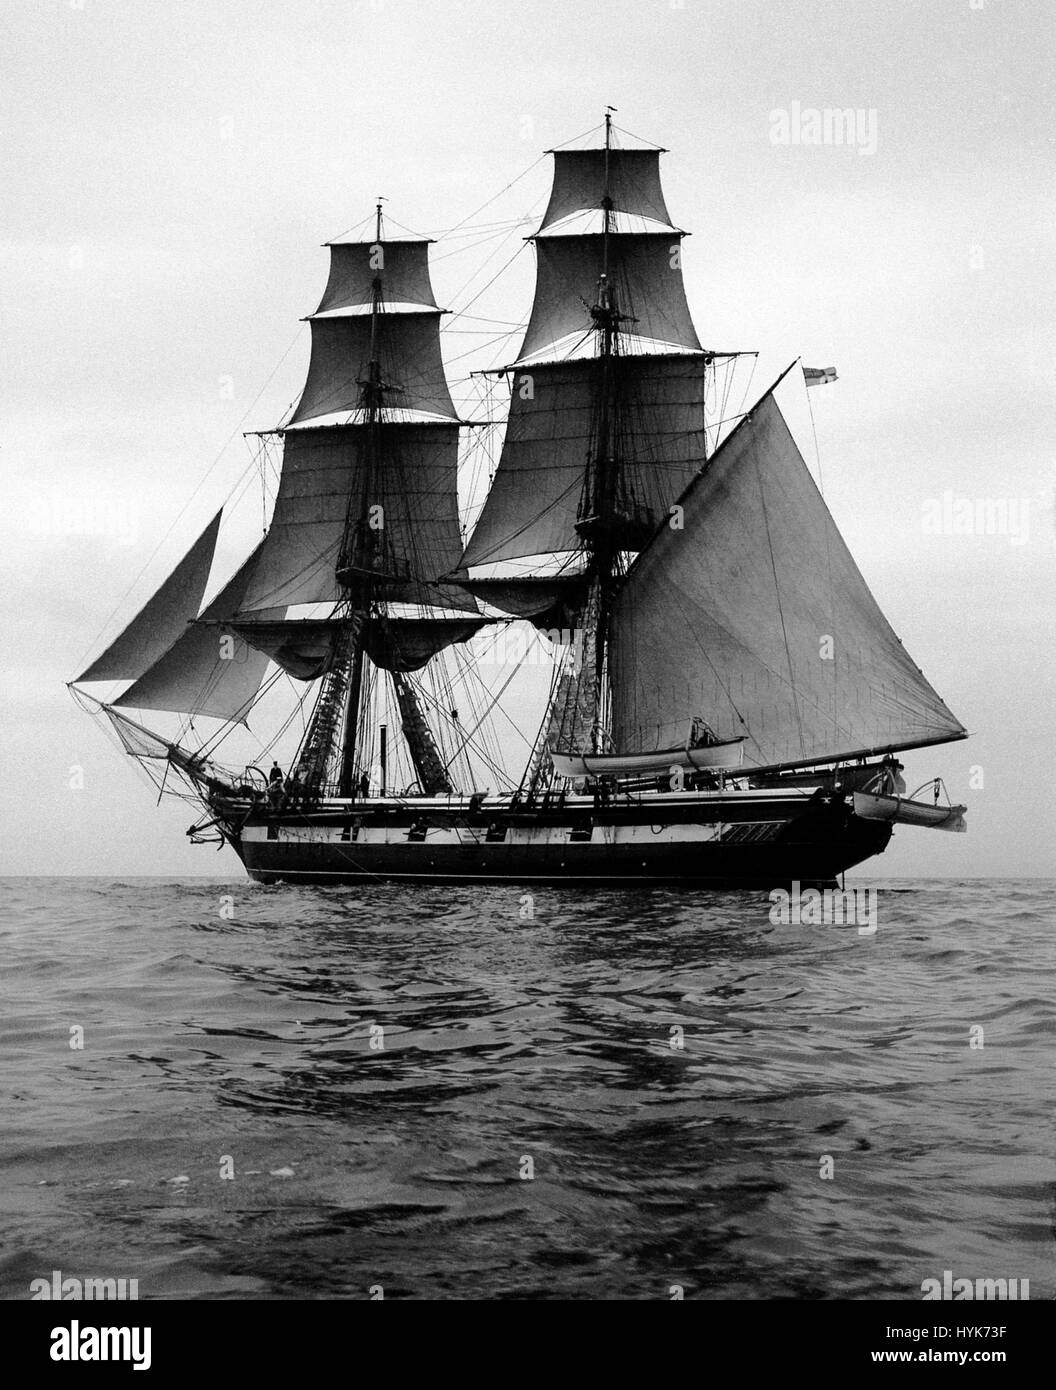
(724,698)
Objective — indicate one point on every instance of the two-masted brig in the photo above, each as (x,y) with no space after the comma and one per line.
(726,696)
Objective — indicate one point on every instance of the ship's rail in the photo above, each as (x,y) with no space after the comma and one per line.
(480,809)
(291,794)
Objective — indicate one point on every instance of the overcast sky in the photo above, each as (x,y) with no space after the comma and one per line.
(169,171)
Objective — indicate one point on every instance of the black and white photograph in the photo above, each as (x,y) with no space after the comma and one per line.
(529,558)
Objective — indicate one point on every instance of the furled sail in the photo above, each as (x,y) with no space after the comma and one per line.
(755,617)
(407,644)
(549,602)
(659,430)
(303,647)
(162,618)
(139,742)
(414,489)
(209,669)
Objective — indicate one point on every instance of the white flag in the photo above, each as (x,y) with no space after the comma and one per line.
(819,376)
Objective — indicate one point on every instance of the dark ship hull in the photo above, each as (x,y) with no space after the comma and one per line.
(750,839)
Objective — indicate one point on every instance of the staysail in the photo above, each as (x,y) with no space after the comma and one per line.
(209,669)
(754,617)
(548,603)
(162,618)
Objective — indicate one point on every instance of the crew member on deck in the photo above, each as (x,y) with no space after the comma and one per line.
(275,787)
(364,786)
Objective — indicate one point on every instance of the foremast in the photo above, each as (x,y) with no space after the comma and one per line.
(336,739)
(358,557)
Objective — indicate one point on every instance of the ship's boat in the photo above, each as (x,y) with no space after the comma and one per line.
(725,698)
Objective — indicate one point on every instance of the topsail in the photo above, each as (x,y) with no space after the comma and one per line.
(537,496)
(644,270)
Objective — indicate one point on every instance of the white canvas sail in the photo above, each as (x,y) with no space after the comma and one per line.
(414,488)
(162,618)
(534,501)
(377,314)
(408,351)
(399,269)
(644,269)
(755,617)
(629,178)
(208,669)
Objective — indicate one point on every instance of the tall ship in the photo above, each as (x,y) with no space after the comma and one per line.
(718,698)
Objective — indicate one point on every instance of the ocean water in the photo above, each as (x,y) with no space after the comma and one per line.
(588,1095)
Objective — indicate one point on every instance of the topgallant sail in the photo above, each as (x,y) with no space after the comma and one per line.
(695,728)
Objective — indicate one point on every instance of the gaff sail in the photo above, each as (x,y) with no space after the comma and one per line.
(755,617)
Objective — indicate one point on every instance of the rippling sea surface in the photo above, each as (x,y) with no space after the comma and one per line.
(588,1095)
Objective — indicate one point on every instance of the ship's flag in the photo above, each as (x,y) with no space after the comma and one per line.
(819,376)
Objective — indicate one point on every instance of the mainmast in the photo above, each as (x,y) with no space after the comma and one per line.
(597,524)
(607,416)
